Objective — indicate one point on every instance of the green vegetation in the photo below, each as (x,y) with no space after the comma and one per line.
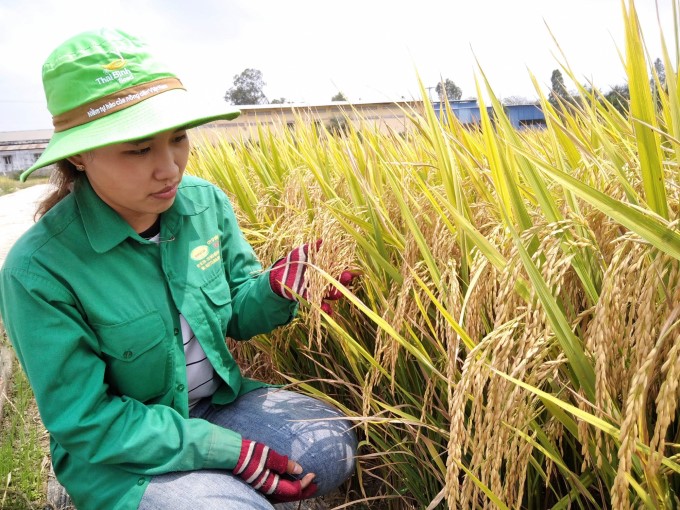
(10,185)
(23,463)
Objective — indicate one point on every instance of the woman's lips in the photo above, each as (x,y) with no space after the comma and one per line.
(165,193)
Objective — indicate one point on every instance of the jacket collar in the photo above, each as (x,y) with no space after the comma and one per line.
(106,229)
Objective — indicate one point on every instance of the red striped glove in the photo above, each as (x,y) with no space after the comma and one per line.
(287,276)
(260,466)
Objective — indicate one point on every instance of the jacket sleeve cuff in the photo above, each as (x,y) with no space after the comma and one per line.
(225,448)
(280,308)
(259,310)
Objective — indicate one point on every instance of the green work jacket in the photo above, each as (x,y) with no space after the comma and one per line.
(92,310)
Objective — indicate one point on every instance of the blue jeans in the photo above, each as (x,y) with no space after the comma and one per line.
(325,444)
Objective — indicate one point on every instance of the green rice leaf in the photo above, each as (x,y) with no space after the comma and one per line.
(643,108)
(647,225)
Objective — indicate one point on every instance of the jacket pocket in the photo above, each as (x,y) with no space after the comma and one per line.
(219,299)
(138,361)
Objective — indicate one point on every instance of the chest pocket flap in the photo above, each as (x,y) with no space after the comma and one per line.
(138,361)
(217,291)
(129,340)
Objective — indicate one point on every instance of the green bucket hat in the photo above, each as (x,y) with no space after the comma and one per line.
(104,87)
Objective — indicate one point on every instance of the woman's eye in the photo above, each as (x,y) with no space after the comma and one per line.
(180,138)
(139,152)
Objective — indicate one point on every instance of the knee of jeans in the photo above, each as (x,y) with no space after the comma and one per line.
(333,457)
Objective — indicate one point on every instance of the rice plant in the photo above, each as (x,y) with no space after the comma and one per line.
(513,340)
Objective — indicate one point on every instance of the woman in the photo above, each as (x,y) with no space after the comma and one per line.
(119,299)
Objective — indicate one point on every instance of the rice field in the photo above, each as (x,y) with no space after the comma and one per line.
(513,340)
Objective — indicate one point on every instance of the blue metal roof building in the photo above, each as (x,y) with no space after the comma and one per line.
(525,116)
(521,116)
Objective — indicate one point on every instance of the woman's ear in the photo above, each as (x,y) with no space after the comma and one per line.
(78,161)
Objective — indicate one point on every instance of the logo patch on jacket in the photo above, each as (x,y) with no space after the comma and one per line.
(207,254)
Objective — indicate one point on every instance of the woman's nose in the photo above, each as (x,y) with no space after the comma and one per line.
(166,164)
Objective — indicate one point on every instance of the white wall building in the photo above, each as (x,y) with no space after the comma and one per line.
(20,149)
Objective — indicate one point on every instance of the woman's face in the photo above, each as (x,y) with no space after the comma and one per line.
(138,179)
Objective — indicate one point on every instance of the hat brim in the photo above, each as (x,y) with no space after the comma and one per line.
(170,110)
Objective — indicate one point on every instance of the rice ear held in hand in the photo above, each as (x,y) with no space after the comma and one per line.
(288,276)
(104,87)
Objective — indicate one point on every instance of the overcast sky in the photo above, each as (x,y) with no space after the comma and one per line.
(308,50)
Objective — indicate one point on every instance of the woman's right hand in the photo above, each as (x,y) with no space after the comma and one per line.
(261,468)
(287,276)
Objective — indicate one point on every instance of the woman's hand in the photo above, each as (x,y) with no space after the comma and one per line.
(306,481)
(287,276)
(262,468)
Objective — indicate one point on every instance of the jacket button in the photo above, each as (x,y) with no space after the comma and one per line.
(176,331)
(180,387)
(127,354)
(141,481)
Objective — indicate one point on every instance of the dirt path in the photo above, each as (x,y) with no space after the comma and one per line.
(16,215)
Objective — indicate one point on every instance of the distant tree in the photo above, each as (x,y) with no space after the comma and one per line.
(448,89)
(339,97)
(558,90)
(247,88)
(660,72)
(619,98)
(510,100)
(280,100)
(338,126)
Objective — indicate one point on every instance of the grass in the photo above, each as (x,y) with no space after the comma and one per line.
(23,446)
(10,185)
